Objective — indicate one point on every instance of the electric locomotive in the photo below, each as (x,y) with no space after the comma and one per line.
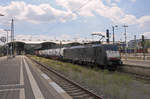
(104,55)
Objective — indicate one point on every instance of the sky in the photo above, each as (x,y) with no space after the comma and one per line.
(75,19)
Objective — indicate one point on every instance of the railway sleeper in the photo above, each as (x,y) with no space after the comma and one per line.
(72,88)
(90,98)
(76,95)
(64,83)
(61,82)
(58,79)
(83,96)
(75,90)
(80,93)
(68,87)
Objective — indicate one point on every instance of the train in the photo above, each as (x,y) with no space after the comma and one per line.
(103,55)
(139,50)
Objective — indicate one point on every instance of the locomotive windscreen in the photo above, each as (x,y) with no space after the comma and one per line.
(111,47)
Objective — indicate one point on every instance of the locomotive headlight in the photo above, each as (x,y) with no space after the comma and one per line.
(112,55)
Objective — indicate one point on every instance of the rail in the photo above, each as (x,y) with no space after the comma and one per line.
(72,88)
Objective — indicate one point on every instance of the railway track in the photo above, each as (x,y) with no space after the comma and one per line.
(135,75)
(136,71)
(75,90)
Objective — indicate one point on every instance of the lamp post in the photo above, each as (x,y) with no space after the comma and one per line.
(1,14)
(7,39)
(12,38)
(113,29)
(125,26)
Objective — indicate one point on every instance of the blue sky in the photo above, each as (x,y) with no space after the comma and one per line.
(62,19)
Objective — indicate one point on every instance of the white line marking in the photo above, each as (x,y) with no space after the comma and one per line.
(54,85)
(15,89)
(57,87)
(22,94)
(36,90)
(21,73)
(11,85)
(45,76)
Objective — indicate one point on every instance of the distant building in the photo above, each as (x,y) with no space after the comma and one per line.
(137,43)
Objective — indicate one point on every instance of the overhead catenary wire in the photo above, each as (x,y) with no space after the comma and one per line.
(74,11)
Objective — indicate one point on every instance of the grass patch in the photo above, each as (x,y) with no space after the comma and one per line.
(112,84)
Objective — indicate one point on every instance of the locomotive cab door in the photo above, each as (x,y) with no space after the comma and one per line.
(99,56)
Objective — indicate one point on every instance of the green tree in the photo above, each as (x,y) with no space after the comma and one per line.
(147,44)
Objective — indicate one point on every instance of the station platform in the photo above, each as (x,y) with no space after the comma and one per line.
(19,79)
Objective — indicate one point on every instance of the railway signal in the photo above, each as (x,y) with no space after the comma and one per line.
(143,41)
(143,38)
(107,35)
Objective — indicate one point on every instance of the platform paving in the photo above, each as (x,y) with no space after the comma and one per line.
(20,80)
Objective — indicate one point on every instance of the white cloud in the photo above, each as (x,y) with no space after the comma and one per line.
(46,13)
(81,7)
(35,13)
(113,12)
(146,34)
(3,33)
(129,19)
(144,21)
(133,0)
(117,0)
(108,1)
